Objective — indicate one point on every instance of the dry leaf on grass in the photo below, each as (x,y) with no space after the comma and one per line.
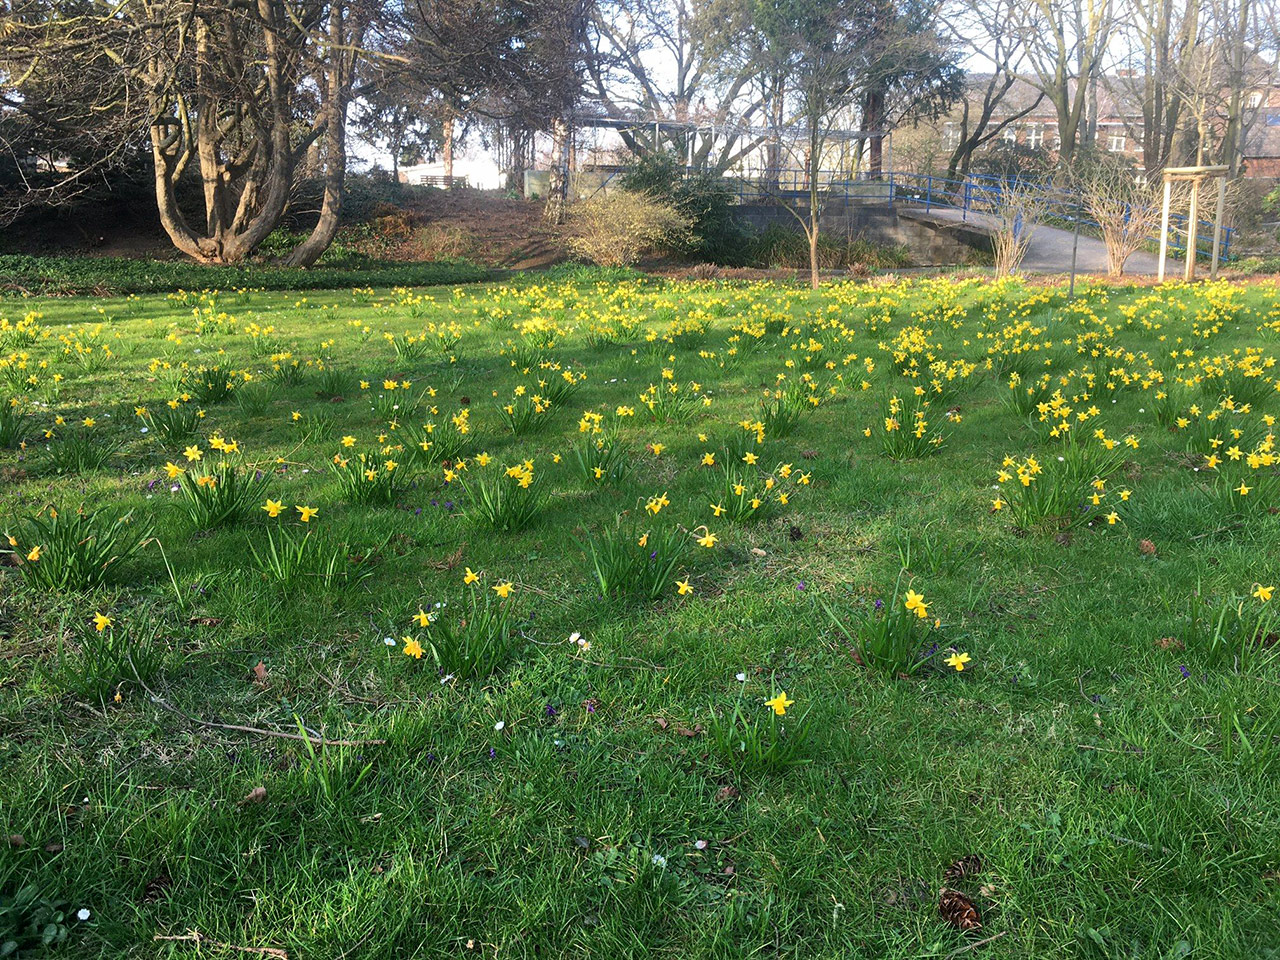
(256,795)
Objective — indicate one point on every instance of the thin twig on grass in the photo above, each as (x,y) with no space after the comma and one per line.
(240,728)
(195,936)
(974,946)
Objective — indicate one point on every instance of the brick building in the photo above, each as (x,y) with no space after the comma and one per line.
(1119,124)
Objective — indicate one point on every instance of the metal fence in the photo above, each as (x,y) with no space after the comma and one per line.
(976,194)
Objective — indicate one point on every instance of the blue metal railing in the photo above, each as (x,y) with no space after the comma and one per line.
(975,193)
(1066,206)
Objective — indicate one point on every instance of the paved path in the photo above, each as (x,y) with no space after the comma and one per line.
(1050,248)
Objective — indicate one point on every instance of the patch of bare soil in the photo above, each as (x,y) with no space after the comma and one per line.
(485,226)
(423,224)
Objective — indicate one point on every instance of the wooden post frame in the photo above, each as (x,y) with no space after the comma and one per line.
(1217,227)
(1164,229)
(1195,176)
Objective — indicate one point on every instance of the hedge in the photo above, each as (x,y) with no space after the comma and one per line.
(117,276)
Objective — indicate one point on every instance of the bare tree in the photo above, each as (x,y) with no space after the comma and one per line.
(1066,43)
(664,60)
(982,28)
(70,117)
(1157,43)
(1247,34)
(237,92)
(829,55)
(563,42)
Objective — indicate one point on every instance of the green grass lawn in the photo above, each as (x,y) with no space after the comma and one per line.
(338,738)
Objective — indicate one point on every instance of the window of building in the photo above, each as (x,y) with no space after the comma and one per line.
(950,136)
(1009,134)
(1255,100)
(1035,135)
(1117,142)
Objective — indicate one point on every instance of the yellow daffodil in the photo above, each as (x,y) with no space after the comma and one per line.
(101,622)
(779,703)
(958,660)
(273,508)
(306,513)
(412,648)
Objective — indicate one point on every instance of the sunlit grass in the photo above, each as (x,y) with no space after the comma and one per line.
(632,618)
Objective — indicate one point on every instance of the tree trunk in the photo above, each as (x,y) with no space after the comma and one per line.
(242,143)
(558,187)
(815,209)
(873,119)
(447,149)
(773,150)
(344,39)
(1233,136)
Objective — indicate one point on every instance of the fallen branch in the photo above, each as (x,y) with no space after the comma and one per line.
(240,728)
(975,946)
(1136,843)
(195,936)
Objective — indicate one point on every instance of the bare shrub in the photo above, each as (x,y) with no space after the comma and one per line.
(1016,211)
(614,230)
(1126,209)
(445,242)
(704,271)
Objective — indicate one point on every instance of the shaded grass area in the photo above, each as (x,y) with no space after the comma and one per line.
(108,276)
(572,804)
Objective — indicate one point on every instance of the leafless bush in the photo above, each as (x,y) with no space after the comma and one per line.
(1126,209)
(1016,211)
(445,242)
(704,271)
(614,230)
